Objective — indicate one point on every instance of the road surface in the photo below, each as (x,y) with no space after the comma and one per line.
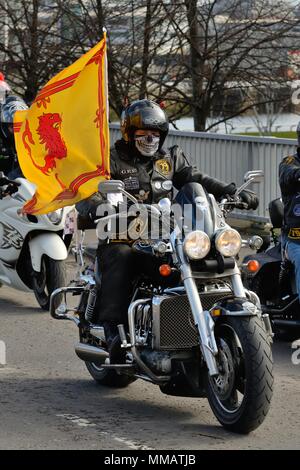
(49,401)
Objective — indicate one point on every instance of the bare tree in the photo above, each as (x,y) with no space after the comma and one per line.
(86,23)
(228,47)
(211,58)
(140,45)
(31,46)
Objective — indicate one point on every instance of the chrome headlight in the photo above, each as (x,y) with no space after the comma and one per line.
(196,245)
(228,242)
(56,216)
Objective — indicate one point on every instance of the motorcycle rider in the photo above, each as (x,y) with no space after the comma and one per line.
(150,173)
(8,154)
(289,181)
(4,88)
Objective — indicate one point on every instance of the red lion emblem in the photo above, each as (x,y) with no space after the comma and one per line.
(49,132)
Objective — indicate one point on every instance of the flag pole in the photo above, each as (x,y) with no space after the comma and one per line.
(106,73)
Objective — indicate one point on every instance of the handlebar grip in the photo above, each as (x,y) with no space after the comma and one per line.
(9,190)
(5,182)
(241,205)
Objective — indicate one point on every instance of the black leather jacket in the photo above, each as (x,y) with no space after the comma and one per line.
(9,162)
(289,180)
(151,179)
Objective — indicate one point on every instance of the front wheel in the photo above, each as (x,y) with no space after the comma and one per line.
(51,277)
(240,395)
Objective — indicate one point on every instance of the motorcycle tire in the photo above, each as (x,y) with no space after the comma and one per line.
(51,277)
(108,378)
(245,359)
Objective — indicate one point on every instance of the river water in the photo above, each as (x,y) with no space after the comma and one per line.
(284,122)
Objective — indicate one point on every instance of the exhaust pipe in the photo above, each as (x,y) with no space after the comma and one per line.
(280,311)
(287,322)
(91,353)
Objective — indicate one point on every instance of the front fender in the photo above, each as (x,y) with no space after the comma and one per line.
(49,244)
(237,307)
(234,307)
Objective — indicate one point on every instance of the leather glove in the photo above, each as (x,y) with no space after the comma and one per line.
(249,198)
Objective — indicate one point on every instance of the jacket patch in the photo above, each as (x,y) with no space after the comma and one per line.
(296,210)
(289,160)
(128,171)
(294,233)
(131,183)
(142,195)
(163,167)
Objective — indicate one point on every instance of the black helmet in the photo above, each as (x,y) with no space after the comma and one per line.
(11,104)
(144,114)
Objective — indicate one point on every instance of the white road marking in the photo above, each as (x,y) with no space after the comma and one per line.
(85,423)
(7,370)
(82,422)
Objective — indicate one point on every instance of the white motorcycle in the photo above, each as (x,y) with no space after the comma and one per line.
(32,251)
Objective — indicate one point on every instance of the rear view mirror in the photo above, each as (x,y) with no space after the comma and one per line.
(250,177)
(111,186)
(254,176)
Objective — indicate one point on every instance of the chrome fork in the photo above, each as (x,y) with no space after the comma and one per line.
(202,318)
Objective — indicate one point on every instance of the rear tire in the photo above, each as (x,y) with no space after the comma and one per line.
(246,350)
(108,378)
(51,277)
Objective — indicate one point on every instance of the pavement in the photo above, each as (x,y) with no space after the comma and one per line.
(49,401)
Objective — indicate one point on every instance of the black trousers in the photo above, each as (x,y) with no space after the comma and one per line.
(119,265)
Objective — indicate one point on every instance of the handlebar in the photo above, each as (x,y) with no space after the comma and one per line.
(148,207)
(5,181)
(233,202)
(7,186)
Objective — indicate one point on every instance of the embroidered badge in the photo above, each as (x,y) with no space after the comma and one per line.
(131,183)
(163,167)
(128,171)
(296,210)
(142,195)
(294,233)
(289,160)
(167,185)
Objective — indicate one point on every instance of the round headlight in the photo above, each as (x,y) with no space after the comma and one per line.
(196,245)
(56,216)
(228,242)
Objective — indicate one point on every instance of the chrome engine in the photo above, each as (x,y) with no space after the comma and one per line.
(166,323)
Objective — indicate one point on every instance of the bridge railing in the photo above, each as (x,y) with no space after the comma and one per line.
(229,157)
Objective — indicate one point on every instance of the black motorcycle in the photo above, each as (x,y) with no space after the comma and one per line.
(203,336)
(271,276)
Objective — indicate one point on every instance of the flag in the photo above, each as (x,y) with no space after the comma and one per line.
(62,140)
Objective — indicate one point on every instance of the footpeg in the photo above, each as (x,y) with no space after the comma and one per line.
(124,343)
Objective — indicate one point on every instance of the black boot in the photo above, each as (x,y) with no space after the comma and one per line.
(111,331)
(117,355)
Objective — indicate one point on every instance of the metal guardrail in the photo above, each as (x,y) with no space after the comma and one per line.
(229,157)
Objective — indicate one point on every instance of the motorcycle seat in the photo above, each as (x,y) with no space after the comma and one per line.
(276,213)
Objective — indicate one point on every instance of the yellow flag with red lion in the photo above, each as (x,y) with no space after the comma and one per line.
(62,140)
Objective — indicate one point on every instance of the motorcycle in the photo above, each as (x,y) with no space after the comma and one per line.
(32,252)
(204,337)
(271,276)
